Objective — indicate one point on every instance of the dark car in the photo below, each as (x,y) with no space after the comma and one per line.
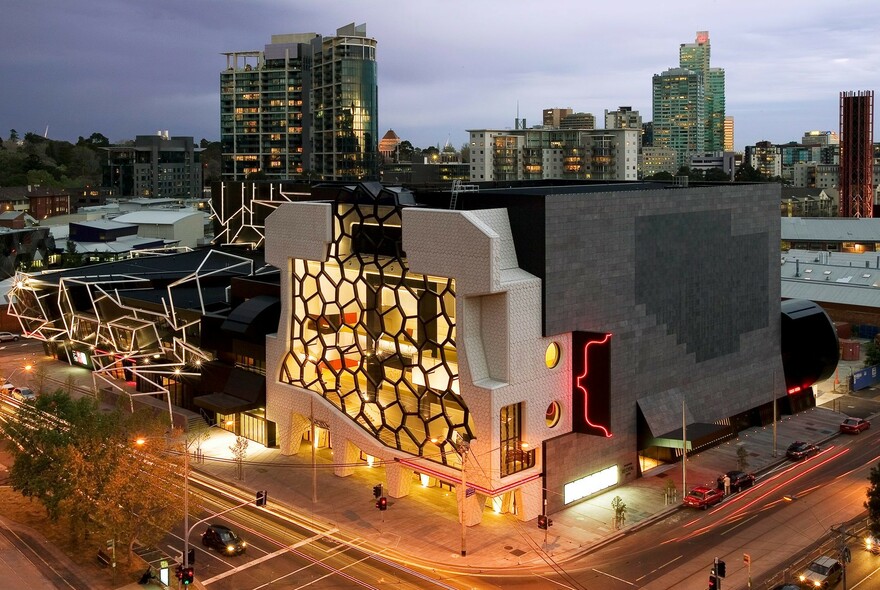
(854,425)
(703,497)
(801,450)
(223,539)
(739,480)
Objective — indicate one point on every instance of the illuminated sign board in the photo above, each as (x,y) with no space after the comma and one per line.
(80,358)
(589,485)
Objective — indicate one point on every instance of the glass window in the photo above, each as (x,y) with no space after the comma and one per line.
(515,455)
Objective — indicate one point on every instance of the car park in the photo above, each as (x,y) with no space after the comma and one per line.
(703,497)
(799,450)
(739,480)
(823,572)
(223,539)
(23,394)
(9,336)
(854,425)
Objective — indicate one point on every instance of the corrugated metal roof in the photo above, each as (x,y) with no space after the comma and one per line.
(831,277)
(154,216)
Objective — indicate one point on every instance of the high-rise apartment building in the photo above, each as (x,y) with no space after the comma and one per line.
(305,106)
(856,153)
(546,153)
(679,112)
(675,103)
(578,121)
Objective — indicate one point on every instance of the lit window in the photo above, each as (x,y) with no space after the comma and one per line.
(551,356)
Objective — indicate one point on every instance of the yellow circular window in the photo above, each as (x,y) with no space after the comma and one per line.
(554,412)
(551,356)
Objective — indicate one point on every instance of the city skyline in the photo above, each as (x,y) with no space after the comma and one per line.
(134,68)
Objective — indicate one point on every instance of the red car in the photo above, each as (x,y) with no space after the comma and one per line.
(854,425)
(703,497)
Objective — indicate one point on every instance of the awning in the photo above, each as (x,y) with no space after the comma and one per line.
(662,412)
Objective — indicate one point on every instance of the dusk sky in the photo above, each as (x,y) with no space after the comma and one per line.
(126,68)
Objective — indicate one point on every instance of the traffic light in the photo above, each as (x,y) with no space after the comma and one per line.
(713,582)
(544,522)
(179,572)
(721,569)
(188,576)
(262,496)
(382,504)
(191,556)
(377,490)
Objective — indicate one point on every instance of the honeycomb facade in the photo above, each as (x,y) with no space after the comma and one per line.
(375,340)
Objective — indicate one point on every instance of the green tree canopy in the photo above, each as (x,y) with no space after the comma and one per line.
(83,466)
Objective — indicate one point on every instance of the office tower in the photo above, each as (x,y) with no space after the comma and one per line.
(856,153)
(156,166)
(679,112)
(728,134)
(820,138)
(305,106)
(553,117)
(696,57)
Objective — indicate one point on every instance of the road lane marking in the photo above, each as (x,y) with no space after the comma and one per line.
(614,577)
(660,568)
(267,557)
(554,581)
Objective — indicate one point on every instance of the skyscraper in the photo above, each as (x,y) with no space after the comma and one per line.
(856,154)
(696,57)
(728,134)
(305,106)
(677,114)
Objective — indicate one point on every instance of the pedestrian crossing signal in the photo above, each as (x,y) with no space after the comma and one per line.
(544,522)
(382,504)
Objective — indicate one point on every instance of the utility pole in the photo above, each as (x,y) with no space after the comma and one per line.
(684,450)
(773,394)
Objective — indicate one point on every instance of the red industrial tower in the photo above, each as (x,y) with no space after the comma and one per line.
(856,154)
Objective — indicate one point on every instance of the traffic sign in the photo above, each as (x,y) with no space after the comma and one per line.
(747,559)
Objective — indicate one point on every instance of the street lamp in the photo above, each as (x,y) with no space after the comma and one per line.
(26,368)
(462,447)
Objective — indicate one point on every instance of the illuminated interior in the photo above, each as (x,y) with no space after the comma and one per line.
(376,340)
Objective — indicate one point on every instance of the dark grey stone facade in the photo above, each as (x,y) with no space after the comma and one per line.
(687,282)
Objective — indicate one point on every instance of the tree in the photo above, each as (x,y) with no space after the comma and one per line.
(872,354)
(662,175)
(465,152)
(716,175)
(82,465)
(873,501)
(239,453)
(13,135)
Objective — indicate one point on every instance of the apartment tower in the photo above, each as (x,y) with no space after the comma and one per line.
(304,107)
(856,154)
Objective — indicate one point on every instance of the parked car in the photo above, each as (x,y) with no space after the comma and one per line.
(7,388)
(8,336)
(787,587)
(223,539)
(739,480)
(801,450)
(854,425)
(23,394)
(824,572)
(872,544)
(703,497)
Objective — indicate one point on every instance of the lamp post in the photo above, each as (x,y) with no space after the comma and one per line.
(462,446)
(26,368)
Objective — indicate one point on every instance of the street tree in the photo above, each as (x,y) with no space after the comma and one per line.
(82,465)
(872,354)
(873,501)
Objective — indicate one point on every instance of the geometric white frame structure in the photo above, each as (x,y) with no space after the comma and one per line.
(244,213)
(46,312)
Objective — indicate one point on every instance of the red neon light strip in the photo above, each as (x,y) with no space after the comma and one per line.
(579,386)
(420,467)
